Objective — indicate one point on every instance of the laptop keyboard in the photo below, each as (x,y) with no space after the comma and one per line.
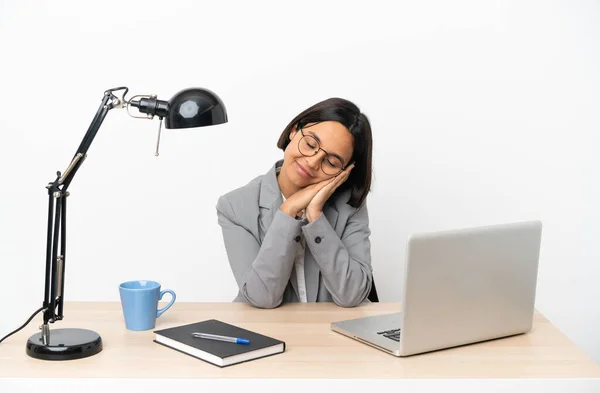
(393,334)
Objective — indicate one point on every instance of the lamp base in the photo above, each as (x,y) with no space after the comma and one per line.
(65,344)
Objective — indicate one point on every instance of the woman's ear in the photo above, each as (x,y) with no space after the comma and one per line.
(293,133)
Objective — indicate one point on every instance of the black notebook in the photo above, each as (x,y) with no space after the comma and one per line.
(219,353)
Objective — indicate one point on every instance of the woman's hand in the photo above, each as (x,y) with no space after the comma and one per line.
(315,206)
(294,205)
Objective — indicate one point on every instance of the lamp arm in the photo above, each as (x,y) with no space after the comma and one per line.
(57,212)
(109,101)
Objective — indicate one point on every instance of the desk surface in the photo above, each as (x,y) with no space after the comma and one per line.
(313,350)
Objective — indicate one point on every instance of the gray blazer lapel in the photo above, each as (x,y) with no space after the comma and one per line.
(269,200)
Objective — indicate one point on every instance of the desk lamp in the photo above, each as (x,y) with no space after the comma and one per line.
(194,107)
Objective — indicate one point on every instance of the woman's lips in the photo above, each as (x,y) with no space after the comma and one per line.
(302,171)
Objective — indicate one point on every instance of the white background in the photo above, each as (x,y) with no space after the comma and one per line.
(482,113)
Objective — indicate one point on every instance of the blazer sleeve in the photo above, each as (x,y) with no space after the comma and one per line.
(262,272)
(345,262)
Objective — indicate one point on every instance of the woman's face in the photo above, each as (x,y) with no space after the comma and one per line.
(330,139)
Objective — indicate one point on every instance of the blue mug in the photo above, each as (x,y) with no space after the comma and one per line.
(139,300)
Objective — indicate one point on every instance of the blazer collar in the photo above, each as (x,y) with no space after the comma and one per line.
(270,194)
(269,199)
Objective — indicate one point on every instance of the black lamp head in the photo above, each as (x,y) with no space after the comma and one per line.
(193,107)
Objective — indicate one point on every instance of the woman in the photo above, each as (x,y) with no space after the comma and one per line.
(300,233)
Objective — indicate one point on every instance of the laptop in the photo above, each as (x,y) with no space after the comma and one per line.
(460,287)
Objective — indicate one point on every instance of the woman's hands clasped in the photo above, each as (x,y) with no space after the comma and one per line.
(312,198)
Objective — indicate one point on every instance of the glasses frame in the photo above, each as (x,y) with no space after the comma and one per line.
(319,148)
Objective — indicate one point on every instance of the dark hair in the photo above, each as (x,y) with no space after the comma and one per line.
(348,114)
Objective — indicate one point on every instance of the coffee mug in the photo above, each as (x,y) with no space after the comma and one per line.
(139,300)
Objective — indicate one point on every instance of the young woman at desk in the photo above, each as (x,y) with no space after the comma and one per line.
(300,232)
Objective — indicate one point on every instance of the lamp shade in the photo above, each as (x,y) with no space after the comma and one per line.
(195,107)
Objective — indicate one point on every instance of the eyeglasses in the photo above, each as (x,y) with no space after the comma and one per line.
(309,146)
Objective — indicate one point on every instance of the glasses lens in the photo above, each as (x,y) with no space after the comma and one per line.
(332,165)
(308,146)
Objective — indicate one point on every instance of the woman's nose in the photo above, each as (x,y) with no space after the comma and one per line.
(315,161)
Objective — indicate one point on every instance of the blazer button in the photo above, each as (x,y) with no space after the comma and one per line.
(318,239)
(297,238)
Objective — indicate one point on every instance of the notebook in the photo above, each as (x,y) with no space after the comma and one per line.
(219,353)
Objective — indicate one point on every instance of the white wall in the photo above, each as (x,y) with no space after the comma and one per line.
(482,113)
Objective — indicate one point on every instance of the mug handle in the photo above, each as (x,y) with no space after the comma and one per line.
(160,296)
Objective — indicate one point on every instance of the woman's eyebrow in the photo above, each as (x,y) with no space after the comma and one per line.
(314,136)
(319,140)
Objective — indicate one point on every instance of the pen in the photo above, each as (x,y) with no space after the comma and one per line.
(221,338)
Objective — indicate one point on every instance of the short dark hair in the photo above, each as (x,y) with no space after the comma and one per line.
(348,114)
